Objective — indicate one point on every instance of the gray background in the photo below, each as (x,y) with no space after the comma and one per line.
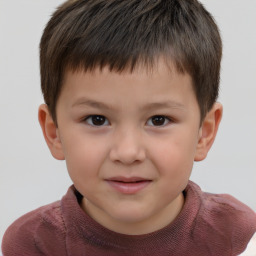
(30,177)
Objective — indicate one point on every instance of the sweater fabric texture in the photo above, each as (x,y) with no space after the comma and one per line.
(208,224)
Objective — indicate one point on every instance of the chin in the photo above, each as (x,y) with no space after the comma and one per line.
(130,215)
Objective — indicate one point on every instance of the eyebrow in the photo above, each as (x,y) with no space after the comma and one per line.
(92,103)
(164,104)
(150,106)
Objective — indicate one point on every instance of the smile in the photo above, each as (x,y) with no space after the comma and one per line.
(128,185)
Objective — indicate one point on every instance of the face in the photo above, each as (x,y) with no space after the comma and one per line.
(129,141)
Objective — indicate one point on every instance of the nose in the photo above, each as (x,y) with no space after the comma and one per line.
(127,147)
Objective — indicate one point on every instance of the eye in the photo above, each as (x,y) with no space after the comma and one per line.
(158,121)
(97,120)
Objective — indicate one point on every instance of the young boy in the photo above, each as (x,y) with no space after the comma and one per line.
(130,88)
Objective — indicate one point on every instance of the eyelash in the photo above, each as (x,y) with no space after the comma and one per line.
(91,122)
(167,120)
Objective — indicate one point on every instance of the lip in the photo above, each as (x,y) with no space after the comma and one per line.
(128,185)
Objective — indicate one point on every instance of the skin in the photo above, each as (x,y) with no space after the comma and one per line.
(129,142)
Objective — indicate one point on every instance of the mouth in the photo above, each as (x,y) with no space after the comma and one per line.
(131,185)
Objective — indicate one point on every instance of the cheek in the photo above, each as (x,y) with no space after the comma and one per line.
(84,158)
(174,156)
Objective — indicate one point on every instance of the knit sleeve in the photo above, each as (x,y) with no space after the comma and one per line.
(224,223)
(243,224)
(40,232)
(251,248)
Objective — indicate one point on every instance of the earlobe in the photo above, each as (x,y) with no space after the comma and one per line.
(208,131)
(50,132)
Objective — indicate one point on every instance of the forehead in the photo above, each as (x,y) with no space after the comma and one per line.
(160,69)
(145,70)
(143,86)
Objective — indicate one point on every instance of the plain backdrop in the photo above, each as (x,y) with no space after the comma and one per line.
(30,177)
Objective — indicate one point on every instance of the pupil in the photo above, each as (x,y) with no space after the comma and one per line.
(158,120)
(98,120)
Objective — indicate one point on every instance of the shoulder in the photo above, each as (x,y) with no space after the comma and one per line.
(34,232)
(228,210)
(251,247)
(226,219)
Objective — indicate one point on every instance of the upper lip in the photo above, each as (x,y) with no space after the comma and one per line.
(127,179)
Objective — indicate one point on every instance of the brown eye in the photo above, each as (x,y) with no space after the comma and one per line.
(97,120)
(158,121)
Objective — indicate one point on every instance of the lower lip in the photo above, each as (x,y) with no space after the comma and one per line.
(129,188)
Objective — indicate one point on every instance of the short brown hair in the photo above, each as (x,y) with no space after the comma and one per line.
(123,33)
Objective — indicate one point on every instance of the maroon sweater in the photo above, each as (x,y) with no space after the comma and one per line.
(208,224)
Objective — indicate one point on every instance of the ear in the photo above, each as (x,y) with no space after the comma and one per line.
(208,131)
(50,132)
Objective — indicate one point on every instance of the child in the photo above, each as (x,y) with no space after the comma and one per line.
(130,88)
